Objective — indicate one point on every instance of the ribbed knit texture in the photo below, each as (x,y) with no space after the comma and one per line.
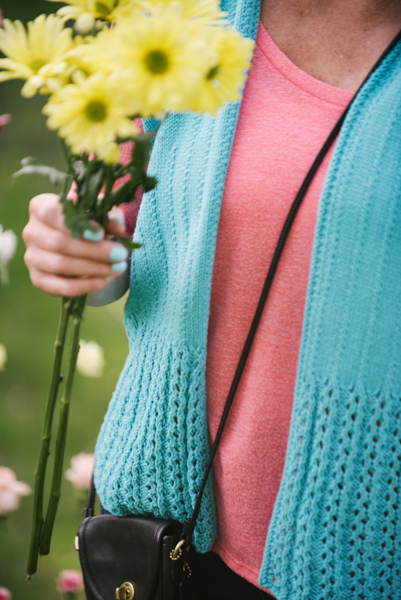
(336,528)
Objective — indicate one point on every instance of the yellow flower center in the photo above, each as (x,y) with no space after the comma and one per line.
(37,64)
(102,9)
(212,73)
(156,61)
(96,111)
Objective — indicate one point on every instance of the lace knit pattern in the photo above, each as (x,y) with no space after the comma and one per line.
(336,527)
(148,447)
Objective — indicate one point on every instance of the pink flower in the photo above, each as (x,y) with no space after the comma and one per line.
(70,582)
(11,490)
(5,594)
(80,472)
(4,120)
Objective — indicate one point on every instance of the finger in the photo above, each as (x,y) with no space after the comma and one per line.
(93,236)
(116,222)
(67,266)
(48,209)
(63,286)
(39,235)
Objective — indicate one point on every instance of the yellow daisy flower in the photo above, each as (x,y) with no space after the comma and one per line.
(126,8)
(107,10)
(165,63)
(36,55)
(206,12)
(224,81)
(88,57)
(90,114)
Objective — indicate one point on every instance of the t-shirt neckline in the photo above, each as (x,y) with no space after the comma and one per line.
(297,76)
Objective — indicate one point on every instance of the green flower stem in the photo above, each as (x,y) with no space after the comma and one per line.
(106,200)
(88,173)
(70,596)
(78,215)
(77,314)
(40,473)
(3,523)
(67,180)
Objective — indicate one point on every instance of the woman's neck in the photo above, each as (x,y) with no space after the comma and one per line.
(336,41)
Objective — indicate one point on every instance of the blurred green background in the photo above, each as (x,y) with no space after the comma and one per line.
(28,322)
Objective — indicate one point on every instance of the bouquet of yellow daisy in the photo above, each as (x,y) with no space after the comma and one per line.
(103,63)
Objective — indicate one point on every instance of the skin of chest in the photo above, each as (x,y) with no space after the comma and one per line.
(335,41)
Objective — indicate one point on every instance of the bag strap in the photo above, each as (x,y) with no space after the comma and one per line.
(89,511)
(189,524)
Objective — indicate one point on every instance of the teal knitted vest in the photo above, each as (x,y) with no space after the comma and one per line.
(336,527)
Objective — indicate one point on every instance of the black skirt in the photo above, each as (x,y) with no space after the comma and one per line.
(212,579)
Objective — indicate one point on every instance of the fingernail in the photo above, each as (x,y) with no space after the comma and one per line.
(93,236)
(119,267)
(118,253)
(117,218)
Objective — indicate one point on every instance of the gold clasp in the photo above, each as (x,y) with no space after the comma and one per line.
(177,552)
(125,591)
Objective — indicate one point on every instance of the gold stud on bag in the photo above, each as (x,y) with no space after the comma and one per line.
(125,591)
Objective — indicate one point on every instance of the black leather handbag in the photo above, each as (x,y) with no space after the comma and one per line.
(127,557)
(147,558)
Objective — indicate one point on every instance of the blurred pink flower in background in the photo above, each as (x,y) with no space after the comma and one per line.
(5,594)
(10,491)
(4,120)
(70,582)
(80,471)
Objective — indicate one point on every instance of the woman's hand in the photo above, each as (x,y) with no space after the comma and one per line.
(63,266)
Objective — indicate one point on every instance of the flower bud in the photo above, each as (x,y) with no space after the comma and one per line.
(4,120)
(11,490)
(90,361)
(80,471)
(70,582)
(84,24)
(5,594)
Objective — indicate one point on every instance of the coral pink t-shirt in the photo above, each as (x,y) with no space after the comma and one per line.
(285,117)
